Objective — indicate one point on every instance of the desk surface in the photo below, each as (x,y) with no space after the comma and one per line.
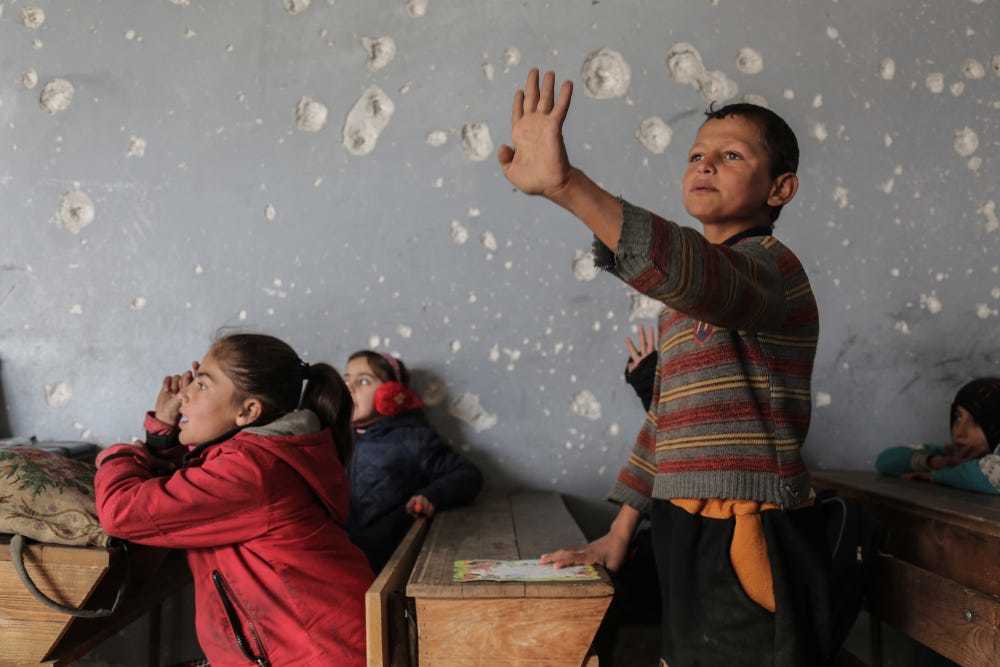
(515,527)
(976,511)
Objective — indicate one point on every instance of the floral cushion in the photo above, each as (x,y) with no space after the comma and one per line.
(48,497)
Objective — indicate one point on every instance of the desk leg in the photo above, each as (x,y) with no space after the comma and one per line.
(155,617)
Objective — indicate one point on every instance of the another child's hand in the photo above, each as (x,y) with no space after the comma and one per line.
(537,164)
(168,401)
(919,477)
(609,551)
(419,506)
(647,345)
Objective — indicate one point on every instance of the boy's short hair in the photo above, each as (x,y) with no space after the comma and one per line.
(779,141)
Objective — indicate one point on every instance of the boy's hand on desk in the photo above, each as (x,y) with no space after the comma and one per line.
(609,551)
(168,401)
(537,164)
(419,506)
(647,345)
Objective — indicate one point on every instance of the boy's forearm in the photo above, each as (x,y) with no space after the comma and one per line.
(594,206)
(625,523)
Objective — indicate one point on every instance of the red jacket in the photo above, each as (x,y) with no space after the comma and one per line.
(261,515)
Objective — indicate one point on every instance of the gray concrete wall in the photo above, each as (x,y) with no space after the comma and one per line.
(231,216)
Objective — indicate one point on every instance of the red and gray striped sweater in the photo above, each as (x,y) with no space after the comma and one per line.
(731,398)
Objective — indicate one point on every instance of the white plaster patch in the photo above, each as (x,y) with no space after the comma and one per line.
(841,196)
(294,7)
(58,395)
(76,309)
(380,50)
(584,268)
(57,95)
(366,120)
(887,69)
(270,213)
(455,346)
(32,17)
(759,100)
(684,64)
(512,57)
(585,404)
(973,69)
(935,82)
(819,132)
(966,141)
(374,341)
(310,115)
(489,241)
(989,211)
(605,74)
(832,32)
(437,138)
(654,134)
(489,71)
(467,408)
(476,141)
(181,3)
(749,61)
(902,327)
(717,87)
(416,8)
(644,308)
(136,146)
(404,330)
(817,101)
(137,303)
(76,211)
(974,163)
(614,430)
(29,78)
(823,399)
(957,88)
(494,354)
(984,312)
(931,303)
(459,233)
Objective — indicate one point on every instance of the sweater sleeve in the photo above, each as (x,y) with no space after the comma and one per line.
(896,461)
(453,480)
(972,475)
(736,288)
(634,484)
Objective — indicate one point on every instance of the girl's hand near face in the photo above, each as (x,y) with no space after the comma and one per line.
(647,345)
(419,506)
(168,402)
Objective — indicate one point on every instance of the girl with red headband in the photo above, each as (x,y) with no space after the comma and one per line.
(401,467)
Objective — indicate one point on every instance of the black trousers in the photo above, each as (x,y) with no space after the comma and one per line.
(708,619)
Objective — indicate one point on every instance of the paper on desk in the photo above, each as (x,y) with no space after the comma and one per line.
(520,570)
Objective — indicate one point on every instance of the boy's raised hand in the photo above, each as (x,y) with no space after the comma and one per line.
(537,164)
(647,345)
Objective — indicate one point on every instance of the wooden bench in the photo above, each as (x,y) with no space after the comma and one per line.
(939,570)
(549,624)
(87,577)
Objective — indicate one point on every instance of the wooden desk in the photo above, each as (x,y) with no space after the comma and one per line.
(939,571)
(490,623)
(31,633)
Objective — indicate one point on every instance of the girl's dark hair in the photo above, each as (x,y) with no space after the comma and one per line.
(268,369)
(382,368)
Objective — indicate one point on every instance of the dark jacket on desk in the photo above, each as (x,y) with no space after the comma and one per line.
(396,458)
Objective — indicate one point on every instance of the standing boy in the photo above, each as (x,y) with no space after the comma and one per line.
(740,547)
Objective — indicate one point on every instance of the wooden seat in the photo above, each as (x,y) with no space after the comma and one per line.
(550,624)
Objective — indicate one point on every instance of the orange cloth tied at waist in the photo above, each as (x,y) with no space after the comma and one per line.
(748,551)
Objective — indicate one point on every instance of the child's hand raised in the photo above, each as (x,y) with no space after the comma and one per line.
(168,401)
(538,164)
(647,345)
(419,506)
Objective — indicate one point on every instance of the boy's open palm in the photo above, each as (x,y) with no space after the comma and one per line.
(537,164)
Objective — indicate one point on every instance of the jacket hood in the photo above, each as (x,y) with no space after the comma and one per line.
(299,440)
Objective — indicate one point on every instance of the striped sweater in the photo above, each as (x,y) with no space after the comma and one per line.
(731,397)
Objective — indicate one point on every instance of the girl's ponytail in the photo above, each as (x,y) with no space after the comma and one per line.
(327,395)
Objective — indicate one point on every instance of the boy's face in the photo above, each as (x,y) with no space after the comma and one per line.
(728,180)
(362,383)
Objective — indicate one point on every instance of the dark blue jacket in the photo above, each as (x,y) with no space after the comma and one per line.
(394,459)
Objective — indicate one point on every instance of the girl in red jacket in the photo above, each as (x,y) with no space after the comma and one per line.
(258,498)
